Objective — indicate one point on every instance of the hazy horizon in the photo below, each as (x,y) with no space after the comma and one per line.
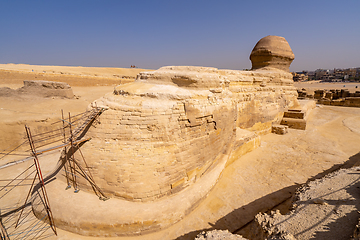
(322,34)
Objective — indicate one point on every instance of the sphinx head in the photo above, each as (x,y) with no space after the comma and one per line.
(272,51)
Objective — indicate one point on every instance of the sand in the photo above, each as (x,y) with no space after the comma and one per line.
(13,75)
(325,208)
(87,83)
(316,85)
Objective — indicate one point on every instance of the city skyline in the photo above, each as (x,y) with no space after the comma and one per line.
(322,34)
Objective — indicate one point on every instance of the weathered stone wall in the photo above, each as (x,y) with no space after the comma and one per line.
(164,131)
(142,154)
(334,97)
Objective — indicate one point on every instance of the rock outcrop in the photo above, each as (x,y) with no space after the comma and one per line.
(168,128)
(39,88)
(218,235)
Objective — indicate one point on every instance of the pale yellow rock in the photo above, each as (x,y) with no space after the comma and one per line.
(177,119)
(272,51)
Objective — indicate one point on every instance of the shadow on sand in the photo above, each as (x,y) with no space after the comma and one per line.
(240,218)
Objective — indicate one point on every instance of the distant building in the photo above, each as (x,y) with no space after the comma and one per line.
(311,75)
(300,76)
(325,75)
(339,74)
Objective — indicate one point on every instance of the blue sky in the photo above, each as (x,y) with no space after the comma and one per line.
(152,34)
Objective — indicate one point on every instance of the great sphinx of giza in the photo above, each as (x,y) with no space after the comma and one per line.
(165,138)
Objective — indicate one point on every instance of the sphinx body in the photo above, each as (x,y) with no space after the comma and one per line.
(164,131)
(164,140)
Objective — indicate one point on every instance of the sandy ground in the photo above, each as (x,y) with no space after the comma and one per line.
(326,208)
(87,83)
(37,112)
(14,74)
(316,85)
(258,181)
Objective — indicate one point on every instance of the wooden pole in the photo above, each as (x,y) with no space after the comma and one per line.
(41,180)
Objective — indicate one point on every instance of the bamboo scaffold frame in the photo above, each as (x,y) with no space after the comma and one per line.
(73,165)
(42,184)
(67,134)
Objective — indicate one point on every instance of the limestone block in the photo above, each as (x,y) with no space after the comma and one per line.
(301,94)
(344,93)
(294,123)
(279,129)
(336,102)
(325,101)
(293,113)
(352,102)
(310,96)
(217,235)
(318,94)
(329,95)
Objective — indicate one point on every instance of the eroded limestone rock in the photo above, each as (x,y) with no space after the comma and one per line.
(272,51)
(279,129)
(168,128)
(218,235)
(266,228)
(39,88)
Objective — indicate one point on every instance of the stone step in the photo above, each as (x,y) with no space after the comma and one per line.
(294,123)
(296,117)
(299,114)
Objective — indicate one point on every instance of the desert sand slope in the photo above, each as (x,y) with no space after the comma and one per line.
(325,208)
(17,111)
(316,85)
(74,76)
(38,112)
